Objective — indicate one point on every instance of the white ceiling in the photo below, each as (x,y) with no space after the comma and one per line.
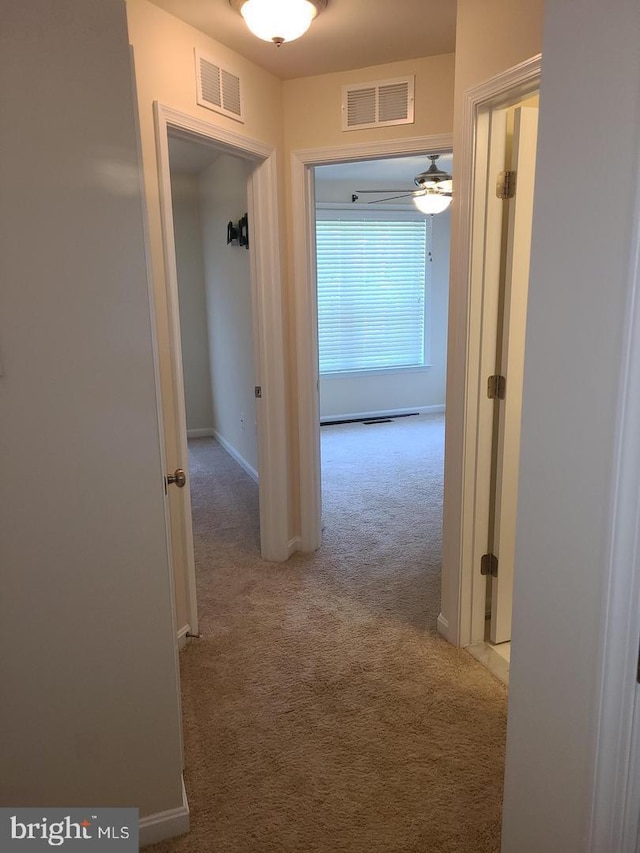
(347,34)
(397,172)
(190,157)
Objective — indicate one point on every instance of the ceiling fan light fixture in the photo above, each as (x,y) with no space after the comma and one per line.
(432,201)
(278,21)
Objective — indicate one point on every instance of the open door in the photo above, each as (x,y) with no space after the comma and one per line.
(510,365)
(91,699)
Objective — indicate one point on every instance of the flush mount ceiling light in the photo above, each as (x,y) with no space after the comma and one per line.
(278,20)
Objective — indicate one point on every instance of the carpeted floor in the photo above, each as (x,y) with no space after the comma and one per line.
(322,711)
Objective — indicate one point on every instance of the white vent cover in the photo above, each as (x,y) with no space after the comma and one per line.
(378,104)
(217,88)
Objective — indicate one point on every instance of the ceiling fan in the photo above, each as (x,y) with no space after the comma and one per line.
(434,193)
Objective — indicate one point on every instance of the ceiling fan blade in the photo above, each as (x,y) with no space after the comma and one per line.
(391,198)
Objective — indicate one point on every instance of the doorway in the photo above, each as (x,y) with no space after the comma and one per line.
(209,204)
(308,378)
(484,233)
(383,316)
(268,355)
(507,248)
(382,298)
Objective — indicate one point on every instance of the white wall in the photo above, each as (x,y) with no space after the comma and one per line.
(422,389)
(187,228)
(313,117)
(582,267)
(90,700)
(223,194)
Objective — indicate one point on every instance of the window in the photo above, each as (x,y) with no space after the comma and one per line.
(372,292)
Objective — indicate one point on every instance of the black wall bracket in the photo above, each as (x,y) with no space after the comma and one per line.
(238,235)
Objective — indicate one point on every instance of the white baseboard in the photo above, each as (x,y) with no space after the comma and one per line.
(163,825)
(242,462)
(206,432)
(182,636)
(444,630)
(386,413)
(294,545)
(432,410)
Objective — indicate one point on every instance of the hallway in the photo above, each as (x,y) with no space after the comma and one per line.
(322,711)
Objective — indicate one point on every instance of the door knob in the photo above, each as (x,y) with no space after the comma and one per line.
(178,477)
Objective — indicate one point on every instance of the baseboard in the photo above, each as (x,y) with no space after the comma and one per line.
(207,432)
(163,825)
(444,629)
(294,545)
(384,413)
(182,636)
(242,462)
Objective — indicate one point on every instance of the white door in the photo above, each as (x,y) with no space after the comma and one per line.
(89,674)
(511,366)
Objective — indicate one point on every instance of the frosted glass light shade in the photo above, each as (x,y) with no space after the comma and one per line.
(432,202)
(278,20)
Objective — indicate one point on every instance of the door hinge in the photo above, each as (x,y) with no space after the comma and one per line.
(496,387)
(489,565)
(506,185)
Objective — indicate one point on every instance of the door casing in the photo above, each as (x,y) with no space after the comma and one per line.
(269,369)
(463,579)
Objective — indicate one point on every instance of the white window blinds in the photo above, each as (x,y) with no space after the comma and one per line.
(372,279)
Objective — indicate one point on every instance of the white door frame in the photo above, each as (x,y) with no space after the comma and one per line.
(306,305)
(501,91)
(266,293)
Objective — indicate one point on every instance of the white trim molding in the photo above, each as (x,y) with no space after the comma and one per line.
(236,456)
(183,636)
(162,825)
(443,627)
(386,413)
(210,134)
(306,310)
(204,432)
(294,545)
(465,362)
(271,368)
(413,145)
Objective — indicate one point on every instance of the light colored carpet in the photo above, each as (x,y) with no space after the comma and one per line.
(322,712)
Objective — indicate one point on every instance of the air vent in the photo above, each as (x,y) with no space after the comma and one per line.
(218,88)
(378,104)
